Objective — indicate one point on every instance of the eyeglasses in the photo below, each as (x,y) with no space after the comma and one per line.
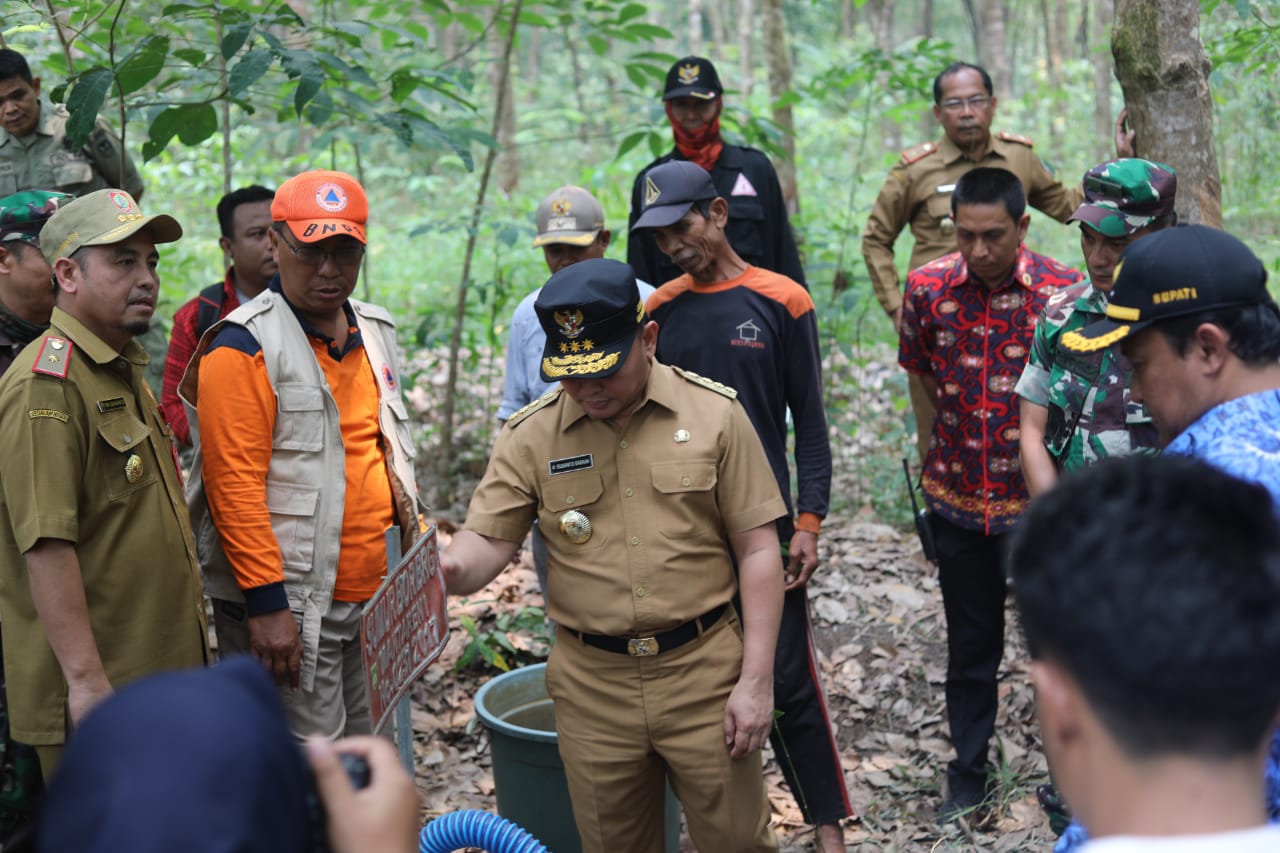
(313,256)
(955,105)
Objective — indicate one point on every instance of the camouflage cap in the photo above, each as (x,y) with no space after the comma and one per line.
(23,214)
(1124,196)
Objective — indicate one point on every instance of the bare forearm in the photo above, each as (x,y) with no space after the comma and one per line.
(760,589)
(1038,467)
(472,560)
(57,590)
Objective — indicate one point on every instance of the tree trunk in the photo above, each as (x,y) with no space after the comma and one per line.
(774,30)
(1099,27)
(846,19)
(715,22)
(1054,13)
(695,27)
(444,461)
(994,55)
(928,124)
(880,19)
(507,167)
(746,15)
(1164,73)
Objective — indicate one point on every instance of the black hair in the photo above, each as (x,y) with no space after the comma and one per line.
(1253,331)
(987,185)
(1155,582)
(956,68)
(245,195)
(14,64)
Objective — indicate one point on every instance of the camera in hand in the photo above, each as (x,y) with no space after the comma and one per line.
(358,772)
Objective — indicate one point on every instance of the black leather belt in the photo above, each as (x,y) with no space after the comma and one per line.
(649,646)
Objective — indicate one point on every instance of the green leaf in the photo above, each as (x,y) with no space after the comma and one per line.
(629,142)
(598,44)
(647,31)
(631,10)
(191,56)
(199,122)
(320,110)
(533,19)
(248,71)
(84,102)
(142,65)
(234,38)
(469,21)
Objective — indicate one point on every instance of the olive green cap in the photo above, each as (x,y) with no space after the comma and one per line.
(101,218)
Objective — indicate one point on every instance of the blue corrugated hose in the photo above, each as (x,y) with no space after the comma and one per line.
(477,829)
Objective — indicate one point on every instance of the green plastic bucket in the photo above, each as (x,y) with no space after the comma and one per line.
(528,776)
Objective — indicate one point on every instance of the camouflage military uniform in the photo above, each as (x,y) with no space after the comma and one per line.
(1091,415)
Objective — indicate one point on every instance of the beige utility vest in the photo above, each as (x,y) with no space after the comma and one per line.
(306,479)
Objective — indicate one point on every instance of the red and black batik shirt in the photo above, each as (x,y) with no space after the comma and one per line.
(974,342)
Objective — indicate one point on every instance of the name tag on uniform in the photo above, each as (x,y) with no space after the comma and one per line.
(115,404)
(946,188)
(570,463)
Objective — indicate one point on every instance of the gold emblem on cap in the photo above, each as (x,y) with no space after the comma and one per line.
(570,322)
(561,207)
(688,74)
(575,526)
(651,191)
(682,435)
(133,468)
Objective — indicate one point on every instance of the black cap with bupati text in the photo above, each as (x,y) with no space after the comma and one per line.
(692,77)
(1172,273)
(590,311)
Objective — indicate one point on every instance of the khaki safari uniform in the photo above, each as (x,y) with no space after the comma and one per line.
(658,500)
(89,460)
(918,193)
(45,159)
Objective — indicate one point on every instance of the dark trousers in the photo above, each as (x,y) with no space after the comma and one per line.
(802,741)
(971,574)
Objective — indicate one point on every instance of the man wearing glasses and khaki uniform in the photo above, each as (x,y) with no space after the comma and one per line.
(304,459)
(918,194)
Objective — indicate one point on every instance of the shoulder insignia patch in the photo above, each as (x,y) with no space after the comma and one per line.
(1014,137)
(718,387)
(541,403)
(54,358)
(919,152)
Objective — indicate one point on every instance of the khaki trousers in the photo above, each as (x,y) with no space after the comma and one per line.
(625,723)
(339,704)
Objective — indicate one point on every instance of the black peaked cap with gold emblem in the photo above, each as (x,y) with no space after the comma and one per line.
(692,77)
(590,312)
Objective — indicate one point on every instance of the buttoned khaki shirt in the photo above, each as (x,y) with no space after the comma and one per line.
(661,495)
(918,193)
(89,460)
(45,159)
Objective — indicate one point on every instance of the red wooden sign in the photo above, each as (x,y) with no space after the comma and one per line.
(404,626)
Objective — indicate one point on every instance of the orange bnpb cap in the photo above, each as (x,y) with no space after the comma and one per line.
(320,204)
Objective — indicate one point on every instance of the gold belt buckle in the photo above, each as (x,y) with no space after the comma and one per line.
(642,647)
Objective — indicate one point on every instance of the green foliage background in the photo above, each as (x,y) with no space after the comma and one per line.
(400,93)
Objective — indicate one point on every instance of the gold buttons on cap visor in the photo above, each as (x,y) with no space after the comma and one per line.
(575,526)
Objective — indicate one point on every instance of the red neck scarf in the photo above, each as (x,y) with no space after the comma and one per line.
(704,145)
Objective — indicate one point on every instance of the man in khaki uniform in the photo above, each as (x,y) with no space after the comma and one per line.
(98,577)
(918,194)
(34,150)
(639,473)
